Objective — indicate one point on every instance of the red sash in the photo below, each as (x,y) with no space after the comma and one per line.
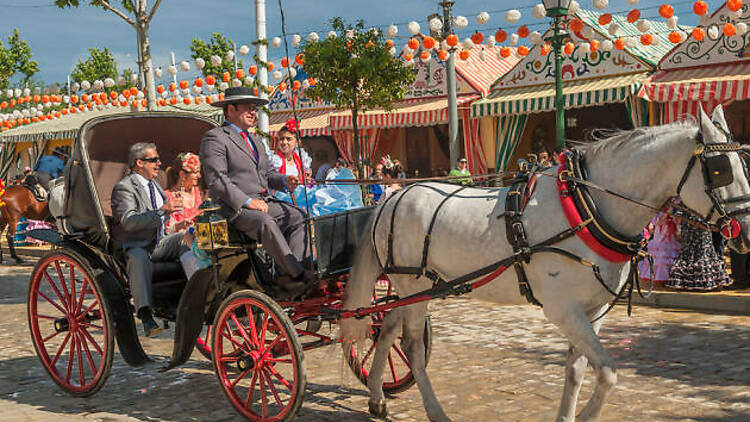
(297,162)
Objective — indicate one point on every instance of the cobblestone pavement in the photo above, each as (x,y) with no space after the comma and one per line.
(488,363)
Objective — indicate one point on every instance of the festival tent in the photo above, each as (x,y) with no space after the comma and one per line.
(522,102)
(706,73)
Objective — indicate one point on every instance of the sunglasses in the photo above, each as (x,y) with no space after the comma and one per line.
(152,159)
(463,161)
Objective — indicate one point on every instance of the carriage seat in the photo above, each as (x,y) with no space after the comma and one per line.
(165,271)
(240,239)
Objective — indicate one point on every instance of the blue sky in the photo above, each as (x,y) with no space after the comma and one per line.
(59,38)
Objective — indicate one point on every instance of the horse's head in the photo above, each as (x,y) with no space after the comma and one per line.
(715,183)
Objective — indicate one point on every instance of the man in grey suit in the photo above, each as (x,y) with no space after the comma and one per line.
(239,175)
(140,207)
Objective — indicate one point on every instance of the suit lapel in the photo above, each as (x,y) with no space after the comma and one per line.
(239,141)
(145,197)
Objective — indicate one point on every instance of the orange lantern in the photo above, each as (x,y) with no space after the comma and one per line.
(477,37)
(64,112)
(81,107)
(172,101)
(523,50)
(73,110)
(620,44)
(186,100)
(269,66)
(413,43)
(85,98)
(296,85)
(408,57)
(4,104)
(133,91)
(428,43)
(700,8)
(523,31)
(452,40)
(144,103)
(113,94)
(370,44)
(647,39)
(123,103)
(729,29)
(501,36)
(103,96)
(284,62)
(388,43)
(45,98)
(312,81)
(251,70)
(126,93)
(505,52)
(226,77)
(209,100)
(569,48)
(442,55)
(198,100)
(57,114)
(424,55)
(734,5)
(13,102)
(594,45)
(282,86)
(464,54)
(37,98)
(675,37)
(210,79)
(300,59)
(172,87)
(699,34)
(576,25)
(134,104)
(34,119)
(634,15)
(221,96)
(239,74)
(666,11)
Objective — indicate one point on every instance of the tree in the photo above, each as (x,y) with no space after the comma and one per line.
(355,71)
(217,45)
(16,58)
(137,15)
(99,65)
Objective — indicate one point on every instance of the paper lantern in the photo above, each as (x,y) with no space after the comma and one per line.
(576,25)
(425,55)
(408,57)
(84,98)
(505,52)
(225,77)
(523,31)
(713,32)
(85,85)
(672,22)
(428,43)
(413,43)
(605,19)
(620,44)
(513,39)
(501,36)
(594,45)
(741,28)
(545,49)
(601,4)
(215,60)
(331,35)
(442,55)
(647,39)
(729,29)
(184,84)
(296,39)
(229,56)
(461,22)
(452,40)
(513,16)
(392,31)
(675,37)
(700,8)
(634,15)
(388,43)
(269,66)
(468,44)
(633,2)
(464,54)
(299,59)
(569,48)
(37,98)
(666,11)
(477,37)
(184,66)
(699,34)
(284,62)
(210,80)
(734,5)
(523,51)
(413,27)
(313,37)
(483,18)
(102,96)
(573,7)
(613,29)
(539,11)
(276,42)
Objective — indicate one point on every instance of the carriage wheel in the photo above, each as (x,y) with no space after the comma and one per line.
(70,324)
(258,357)
(203,343)
(398,376)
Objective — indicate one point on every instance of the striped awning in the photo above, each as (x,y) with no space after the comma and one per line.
(707,83)
(536,99)
(313,122)
(406,113)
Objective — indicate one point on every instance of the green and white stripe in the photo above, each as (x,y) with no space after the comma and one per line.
(509,132)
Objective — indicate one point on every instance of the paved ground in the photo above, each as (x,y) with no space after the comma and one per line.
(488,364)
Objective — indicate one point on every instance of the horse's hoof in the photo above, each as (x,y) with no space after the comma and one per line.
(19,261)
(377,409)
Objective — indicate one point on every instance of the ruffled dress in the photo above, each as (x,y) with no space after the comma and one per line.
(664,246)
(699,266)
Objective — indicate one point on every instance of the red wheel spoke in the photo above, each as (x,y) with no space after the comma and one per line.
(60,349)
(273,390)
(263,400)
(40,316)
(81,378)
(273,344)
(229,359)
(242,331)
(251,320)
(64,286)
(401,355)
(235,343)
(44,340)
(87,325)
(51,302)
(84,286)
(263,329)
(73,287)
(275,360)
(393,368)
(55,289)
(367,355)
(88,355)
(281,379)
(242,375)
(93,342)
(71,357)
(252,390)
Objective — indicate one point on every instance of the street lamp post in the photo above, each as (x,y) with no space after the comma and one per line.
(557,9)
(453,146)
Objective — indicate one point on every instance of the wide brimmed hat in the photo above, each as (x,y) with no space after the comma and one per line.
(240,95)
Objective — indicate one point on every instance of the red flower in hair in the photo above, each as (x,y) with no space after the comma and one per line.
(291,125)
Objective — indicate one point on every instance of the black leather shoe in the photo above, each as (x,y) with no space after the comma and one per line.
(150,327)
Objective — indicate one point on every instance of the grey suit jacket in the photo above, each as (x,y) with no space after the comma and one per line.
(232,173)
(136,223)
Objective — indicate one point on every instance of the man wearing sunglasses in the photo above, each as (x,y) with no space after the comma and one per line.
(461,173)
(140,209)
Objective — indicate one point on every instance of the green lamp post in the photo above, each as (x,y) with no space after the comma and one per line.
(557,10)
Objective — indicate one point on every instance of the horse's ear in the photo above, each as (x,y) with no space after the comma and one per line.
(707,126)
(718,118)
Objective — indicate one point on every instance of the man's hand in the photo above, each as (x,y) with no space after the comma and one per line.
(292,182)
(257,205)
(172,205)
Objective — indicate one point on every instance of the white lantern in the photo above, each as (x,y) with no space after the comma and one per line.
(296,39)
(741,28)
(172,70)
(391,31)
(534,38)
(588,32)
(75,87)
(483,17)
(573,8)
(140,95)
(196,89)
(276,74)
(134,77)
(249,80)
(215,61)
(305,84)
(513,39)
(735,15)
(672,22)
(85,85)
(121,80)
(607,45)
(491,42)
(223,86)
(349,33)
(513,16)
(655,40)
(236,83)
(276,42)
(185,91)
(713,32)
(209,88)
(585,47)
(200,63)
(184,66)
(633,2)
(109,82)
(613,28)
(98,85)
(539,11)
(392,51)
(229,56)
(601,4)
(461,22)
(313,37)
(643,25)
(331,35)
(630,42)
(164,94)
(66,99)
(413,27)
(243,50)
(482,55)
(436,24)
(9,93)
(37,90)
(468,44)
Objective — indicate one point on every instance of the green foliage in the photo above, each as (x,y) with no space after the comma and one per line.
(99,65)
(16,58)
(127,74)
(217,45)
(126,4)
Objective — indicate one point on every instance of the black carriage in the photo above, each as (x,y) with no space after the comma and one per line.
(79,301)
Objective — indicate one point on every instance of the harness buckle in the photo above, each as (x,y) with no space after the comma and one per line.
(699,149)
(583,224)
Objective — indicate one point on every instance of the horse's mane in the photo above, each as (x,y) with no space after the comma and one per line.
(604,141)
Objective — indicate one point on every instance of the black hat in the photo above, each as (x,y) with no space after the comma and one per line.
(240,95)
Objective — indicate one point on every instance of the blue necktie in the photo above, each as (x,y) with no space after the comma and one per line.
(250,143)
(152,193)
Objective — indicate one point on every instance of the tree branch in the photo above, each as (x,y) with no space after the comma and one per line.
(117,12)
(153,10)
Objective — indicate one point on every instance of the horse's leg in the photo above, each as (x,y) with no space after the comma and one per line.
(387,336)
(575,368)
(3,223)
(575,325)
(413,345)
(11,233)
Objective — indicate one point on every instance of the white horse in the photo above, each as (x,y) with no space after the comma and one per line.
(644,164)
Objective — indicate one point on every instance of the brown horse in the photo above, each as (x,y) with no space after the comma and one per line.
(19,202)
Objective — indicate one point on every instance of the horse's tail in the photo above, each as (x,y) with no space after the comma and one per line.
(359,288)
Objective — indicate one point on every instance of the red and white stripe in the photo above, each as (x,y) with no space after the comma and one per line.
(722,83)
(482,73)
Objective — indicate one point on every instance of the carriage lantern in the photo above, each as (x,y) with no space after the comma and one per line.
(211,230)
